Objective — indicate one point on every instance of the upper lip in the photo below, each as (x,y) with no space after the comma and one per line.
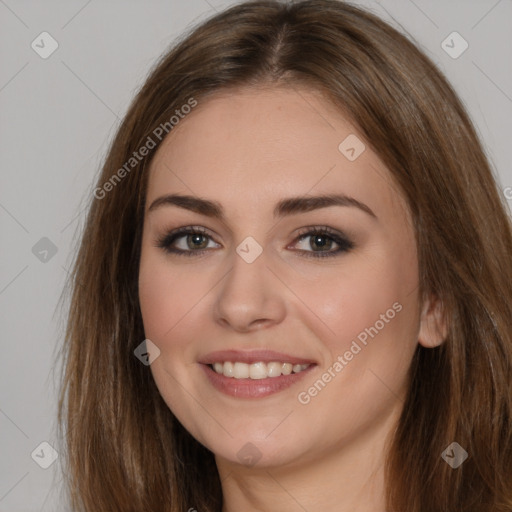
(252,356)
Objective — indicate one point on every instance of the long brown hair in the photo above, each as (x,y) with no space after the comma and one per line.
(125,451)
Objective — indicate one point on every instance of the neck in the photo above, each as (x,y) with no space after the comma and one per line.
(348,477)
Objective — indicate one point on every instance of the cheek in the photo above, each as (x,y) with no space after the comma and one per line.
(342,303)
(166,296)
(156,302)
(172,304)
(372,318)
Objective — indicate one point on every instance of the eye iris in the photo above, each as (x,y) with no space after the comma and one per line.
(320,241)
(196,241)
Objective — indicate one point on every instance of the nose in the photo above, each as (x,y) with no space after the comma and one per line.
(250,297)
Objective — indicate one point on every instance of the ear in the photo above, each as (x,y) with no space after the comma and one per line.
(433,325)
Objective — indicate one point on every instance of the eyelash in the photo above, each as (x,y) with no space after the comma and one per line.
(345,245)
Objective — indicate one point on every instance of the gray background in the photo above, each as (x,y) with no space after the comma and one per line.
(58,116)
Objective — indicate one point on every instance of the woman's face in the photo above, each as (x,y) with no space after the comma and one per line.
(256,294)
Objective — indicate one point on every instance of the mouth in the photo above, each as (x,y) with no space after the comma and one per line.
(256,371)
(256,374)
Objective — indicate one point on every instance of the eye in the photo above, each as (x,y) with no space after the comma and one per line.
(195,240)
(321,240)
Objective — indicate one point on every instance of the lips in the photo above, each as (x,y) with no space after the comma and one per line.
(253,374)
(253,356)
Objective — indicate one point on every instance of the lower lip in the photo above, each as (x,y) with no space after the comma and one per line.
(252,388)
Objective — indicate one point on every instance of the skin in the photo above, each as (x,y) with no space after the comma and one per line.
(247,151)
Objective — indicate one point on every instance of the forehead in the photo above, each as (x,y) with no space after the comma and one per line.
(251,147)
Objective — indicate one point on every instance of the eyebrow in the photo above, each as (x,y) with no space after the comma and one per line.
(288,206)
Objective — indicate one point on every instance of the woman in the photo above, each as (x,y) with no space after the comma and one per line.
(294,287)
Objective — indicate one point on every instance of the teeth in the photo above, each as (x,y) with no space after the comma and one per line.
(227,370)
(258,370)
(241,371)
(274,369)
(287,368)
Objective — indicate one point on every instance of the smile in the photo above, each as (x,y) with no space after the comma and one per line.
(256,371)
